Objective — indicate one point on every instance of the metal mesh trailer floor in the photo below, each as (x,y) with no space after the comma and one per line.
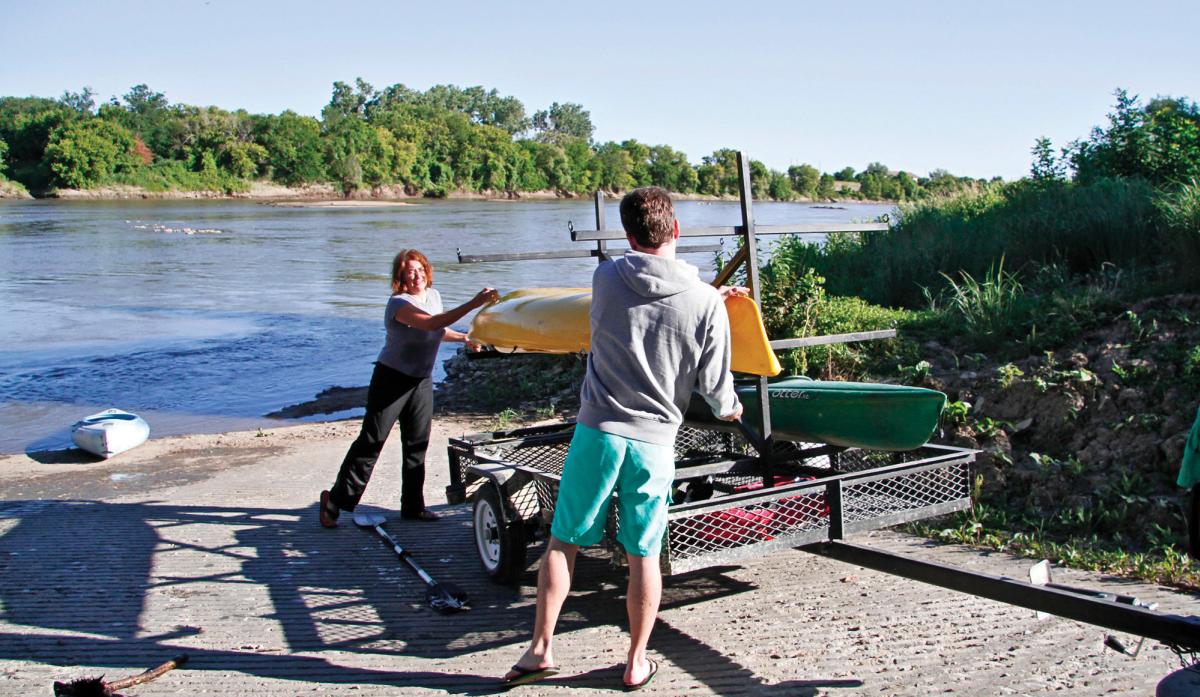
(729,504)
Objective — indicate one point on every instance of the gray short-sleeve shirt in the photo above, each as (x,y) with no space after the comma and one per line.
(410,350)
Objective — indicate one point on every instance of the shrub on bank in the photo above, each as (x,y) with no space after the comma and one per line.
(172,175)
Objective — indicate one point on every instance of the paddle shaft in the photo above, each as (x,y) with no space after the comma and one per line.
(406,557)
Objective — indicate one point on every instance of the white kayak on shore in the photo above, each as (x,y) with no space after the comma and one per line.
(110,432)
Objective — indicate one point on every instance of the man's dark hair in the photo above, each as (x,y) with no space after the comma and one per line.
(648,215)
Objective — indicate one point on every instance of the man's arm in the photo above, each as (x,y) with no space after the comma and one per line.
(714,382)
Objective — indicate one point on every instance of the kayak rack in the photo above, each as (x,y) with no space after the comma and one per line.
(737,495)
(745,258)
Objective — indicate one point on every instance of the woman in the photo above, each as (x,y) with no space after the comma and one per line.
(401,388)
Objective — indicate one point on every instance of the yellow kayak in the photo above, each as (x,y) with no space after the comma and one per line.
(555,320)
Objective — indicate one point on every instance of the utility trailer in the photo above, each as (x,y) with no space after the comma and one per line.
(739,492)
(729,503)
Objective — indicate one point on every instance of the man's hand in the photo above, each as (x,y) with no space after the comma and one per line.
(728,291)
(474,347)
(737,414)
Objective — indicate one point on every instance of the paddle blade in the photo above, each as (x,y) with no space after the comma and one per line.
(369,520)
(447,598)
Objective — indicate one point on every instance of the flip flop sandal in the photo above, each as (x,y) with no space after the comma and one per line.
(639,685)
(524,676)
(328,512)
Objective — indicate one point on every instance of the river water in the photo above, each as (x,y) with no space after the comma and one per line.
(114,304)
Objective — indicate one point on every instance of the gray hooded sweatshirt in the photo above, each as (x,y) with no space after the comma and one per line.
(658,333)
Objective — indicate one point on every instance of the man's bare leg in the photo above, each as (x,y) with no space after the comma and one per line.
(642,598)
(554,583)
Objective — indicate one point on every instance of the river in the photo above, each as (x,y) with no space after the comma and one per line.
(114,303)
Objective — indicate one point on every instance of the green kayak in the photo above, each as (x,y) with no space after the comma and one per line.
(850,414)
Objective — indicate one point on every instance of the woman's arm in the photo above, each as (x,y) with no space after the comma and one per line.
(415,317)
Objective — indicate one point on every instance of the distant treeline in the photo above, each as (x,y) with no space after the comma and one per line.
(431,143)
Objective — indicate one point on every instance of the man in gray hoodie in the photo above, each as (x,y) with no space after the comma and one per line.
(658,333)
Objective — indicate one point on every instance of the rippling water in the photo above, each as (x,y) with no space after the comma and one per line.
(114,304)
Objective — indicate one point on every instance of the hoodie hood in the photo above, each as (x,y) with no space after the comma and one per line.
(655,277)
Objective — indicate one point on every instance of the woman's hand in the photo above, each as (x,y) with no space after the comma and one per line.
(729,291)
(485,296)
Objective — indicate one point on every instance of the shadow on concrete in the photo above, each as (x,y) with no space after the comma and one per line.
(108,579)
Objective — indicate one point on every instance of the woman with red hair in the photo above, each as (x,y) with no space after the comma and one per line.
(401,389)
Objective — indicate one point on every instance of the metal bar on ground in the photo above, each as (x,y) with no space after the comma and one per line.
(1176,630)
(833,339)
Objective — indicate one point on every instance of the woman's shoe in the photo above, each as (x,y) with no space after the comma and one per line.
(425,515)
(328,511)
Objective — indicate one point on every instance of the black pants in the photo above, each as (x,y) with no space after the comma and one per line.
(391,396)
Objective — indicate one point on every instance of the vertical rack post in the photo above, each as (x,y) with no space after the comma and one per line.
(601,245)
(750,245)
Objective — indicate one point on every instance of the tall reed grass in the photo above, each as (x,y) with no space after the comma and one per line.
(1180,211)
(1078,227)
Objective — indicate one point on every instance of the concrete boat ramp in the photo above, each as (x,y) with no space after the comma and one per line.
(209,545)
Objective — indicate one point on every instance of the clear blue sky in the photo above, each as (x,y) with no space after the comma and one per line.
(963,85)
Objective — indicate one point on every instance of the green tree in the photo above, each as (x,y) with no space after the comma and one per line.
(553,164)
(88,153)
(876,169)
(825,190)
(352,146)
(26,124)
(718,173)
(614,168)
(804,179)
(670,169)
(1046,166)
(908,184)
(244,160)
(563,122)
(147,114)
(871,186)
(639,162)
(779,187)
(584,168)
(845,174)
(81,102)
(294,148)
(760,180)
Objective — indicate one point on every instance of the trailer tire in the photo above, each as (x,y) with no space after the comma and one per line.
(501,546)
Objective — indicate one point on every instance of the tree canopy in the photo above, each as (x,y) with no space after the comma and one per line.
(431,142)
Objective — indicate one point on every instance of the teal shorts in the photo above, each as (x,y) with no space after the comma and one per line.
(599,464)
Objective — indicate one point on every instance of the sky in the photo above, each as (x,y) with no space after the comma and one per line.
(965,86)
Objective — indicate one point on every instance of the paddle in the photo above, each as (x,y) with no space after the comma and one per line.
(443,597)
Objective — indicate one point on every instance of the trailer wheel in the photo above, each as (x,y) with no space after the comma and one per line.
(501,547)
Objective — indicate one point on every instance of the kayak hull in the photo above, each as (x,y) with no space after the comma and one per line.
(848,414)
(555,320)
(110,432)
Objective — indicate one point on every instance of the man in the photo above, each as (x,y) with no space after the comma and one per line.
(658,333)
